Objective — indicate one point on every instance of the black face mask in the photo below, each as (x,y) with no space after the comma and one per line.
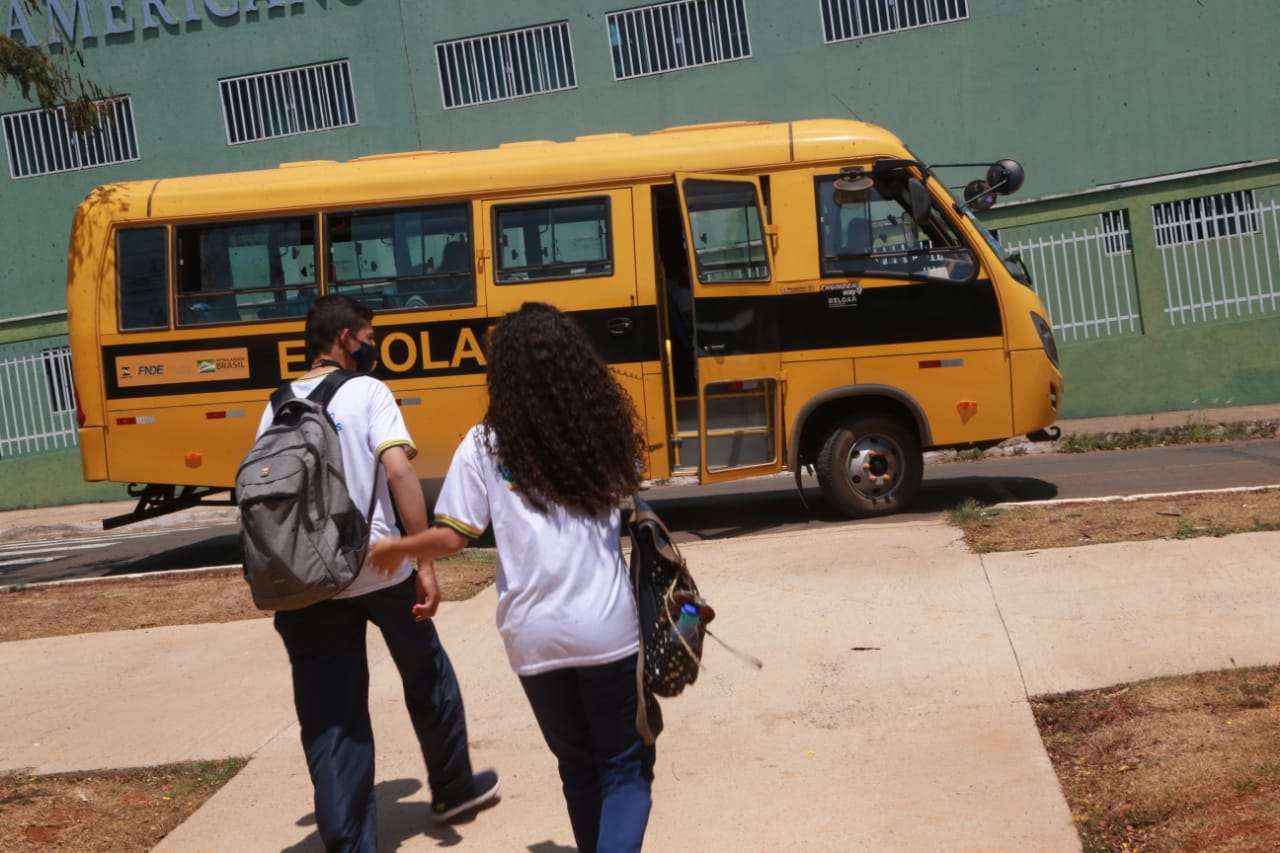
(366,357)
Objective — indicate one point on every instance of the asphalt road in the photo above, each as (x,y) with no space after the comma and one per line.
(732,509)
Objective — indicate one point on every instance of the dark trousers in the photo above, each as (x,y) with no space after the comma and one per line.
(588,718)
(326,645)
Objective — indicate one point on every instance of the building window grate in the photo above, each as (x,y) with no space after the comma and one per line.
(1217,254)
(507,65)
(671,36)
(43,142)
(1117,238)
(1194,220)
(293,101)
(843,20)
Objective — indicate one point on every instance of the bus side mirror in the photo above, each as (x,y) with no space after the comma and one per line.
(1005,176)
(978,195)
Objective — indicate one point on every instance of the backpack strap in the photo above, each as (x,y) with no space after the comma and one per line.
(323,393)
(645,520)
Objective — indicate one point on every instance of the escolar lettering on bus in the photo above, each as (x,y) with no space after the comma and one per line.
(402,351)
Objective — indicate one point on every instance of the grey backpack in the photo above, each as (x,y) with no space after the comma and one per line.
(304,540)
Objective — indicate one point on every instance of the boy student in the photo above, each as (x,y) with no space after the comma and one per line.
(326,641)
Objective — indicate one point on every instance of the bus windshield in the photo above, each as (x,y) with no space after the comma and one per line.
(873,234)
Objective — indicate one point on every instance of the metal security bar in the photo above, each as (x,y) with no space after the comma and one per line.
(43,142)
(507,65)
(843,20)
(1083,270)
(289,102)
(1219,256)
(37,398)
(683,34)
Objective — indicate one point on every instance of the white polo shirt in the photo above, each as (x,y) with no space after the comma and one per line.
(564,597)
(368,421)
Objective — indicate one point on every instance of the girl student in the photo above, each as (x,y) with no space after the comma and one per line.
(555,453)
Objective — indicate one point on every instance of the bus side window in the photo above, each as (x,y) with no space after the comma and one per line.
(727,231)
(402,258)
(142,292)
(550,241)
(248,270)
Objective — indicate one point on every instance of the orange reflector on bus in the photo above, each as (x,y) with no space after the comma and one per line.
(193,459)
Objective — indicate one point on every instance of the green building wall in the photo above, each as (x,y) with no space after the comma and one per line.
(1206,363)
(1086,94)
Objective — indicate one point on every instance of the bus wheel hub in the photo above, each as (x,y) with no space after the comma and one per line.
(871,466)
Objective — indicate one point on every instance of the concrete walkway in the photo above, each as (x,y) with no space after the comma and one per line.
(890,714)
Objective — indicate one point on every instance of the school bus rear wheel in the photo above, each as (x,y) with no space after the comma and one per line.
(869,465)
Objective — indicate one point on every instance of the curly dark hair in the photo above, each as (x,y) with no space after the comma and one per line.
(557,418)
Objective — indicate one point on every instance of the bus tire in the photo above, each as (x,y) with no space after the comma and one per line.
(869,465)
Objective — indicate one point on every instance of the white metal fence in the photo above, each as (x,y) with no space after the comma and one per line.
(1219,256)
(37,398)
(1083,270)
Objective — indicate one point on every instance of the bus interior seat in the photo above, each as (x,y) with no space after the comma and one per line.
(454,257)
(857,237)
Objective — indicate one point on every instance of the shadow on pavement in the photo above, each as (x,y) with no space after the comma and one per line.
(693,514)
(220,550)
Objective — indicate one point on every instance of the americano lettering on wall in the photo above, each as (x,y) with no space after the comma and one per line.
(82,20)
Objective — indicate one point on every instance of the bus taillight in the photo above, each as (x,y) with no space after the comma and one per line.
(80,418)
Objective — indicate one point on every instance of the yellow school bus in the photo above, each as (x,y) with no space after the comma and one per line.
(801,295)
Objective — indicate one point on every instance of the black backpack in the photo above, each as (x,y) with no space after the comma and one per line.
(304,540)
(662,583)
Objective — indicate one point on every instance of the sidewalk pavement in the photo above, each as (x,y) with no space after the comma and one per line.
(891,713)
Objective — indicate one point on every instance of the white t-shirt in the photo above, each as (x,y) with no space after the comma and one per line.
(368,421)
(564,598)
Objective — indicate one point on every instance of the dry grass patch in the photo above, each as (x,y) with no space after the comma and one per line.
(1187,765)
(120,811)
(181,598)
(1014,527)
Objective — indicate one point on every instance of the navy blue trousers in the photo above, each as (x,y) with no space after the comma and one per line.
(326,645)
(588,718)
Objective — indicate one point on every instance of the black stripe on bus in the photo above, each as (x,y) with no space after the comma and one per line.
(848,316)
(834,318)
(622,335)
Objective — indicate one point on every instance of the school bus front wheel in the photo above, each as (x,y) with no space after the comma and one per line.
(869,465)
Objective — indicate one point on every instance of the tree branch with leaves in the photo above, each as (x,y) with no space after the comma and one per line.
(49,76)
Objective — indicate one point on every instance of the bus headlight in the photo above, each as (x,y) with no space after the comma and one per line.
(1046,337)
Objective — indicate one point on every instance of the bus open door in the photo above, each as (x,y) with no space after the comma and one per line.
(735,336)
